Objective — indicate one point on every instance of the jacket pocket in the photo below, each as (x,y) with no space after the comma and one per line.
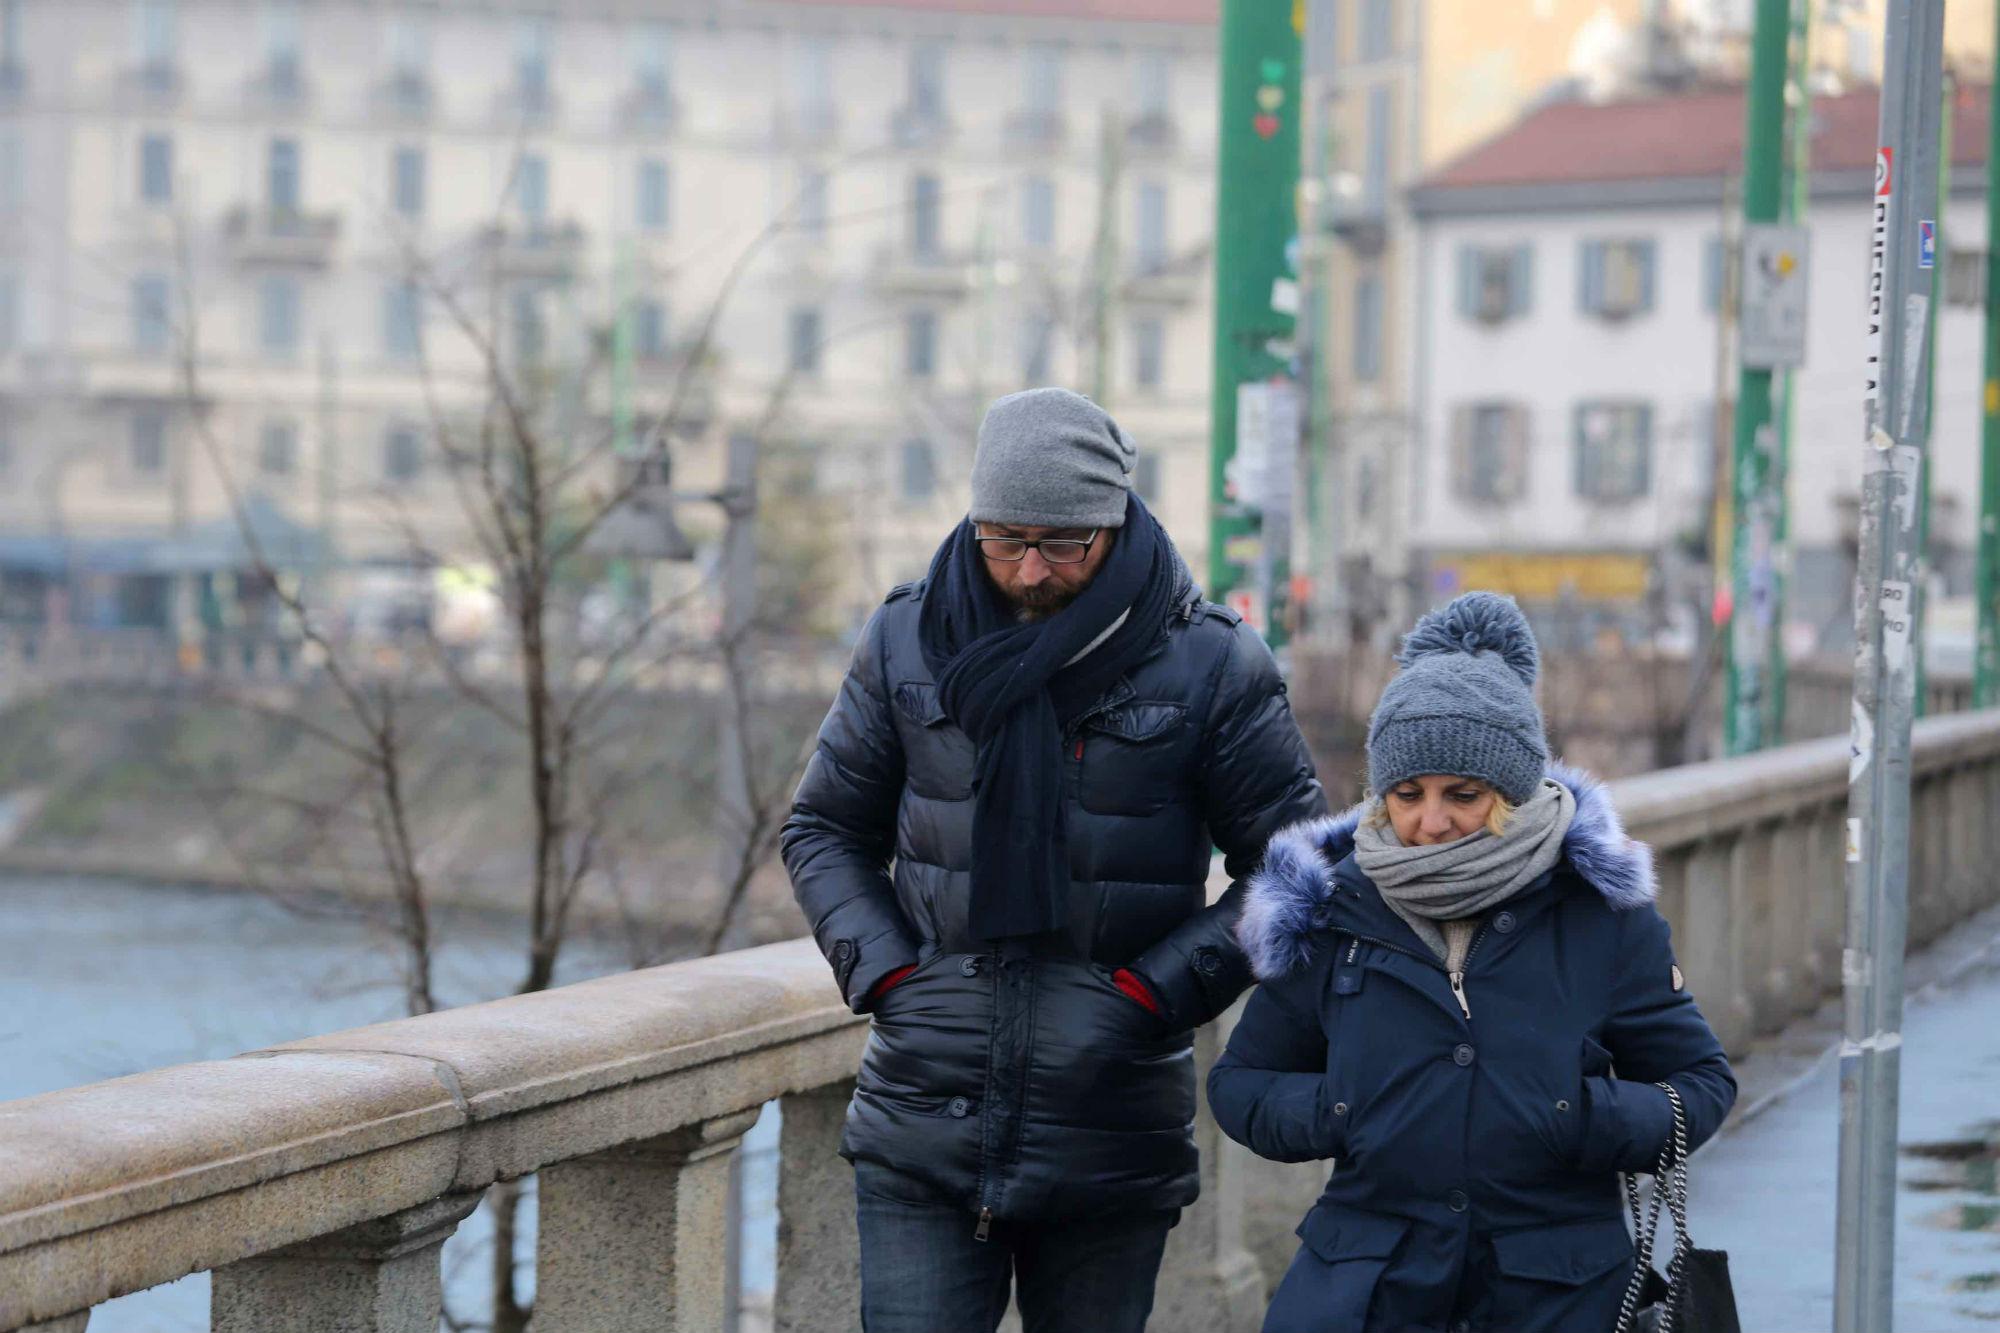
(1131,758)
(1560,1277)
(1332,1280)
(937,757)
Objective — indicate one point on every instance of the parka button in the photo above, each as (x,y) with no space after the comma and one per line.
(843,949)
(960,1107)
(1457,1201)
(1504,922)
(1462,1056)
(969,966)
(1205,962)
(1340,1108)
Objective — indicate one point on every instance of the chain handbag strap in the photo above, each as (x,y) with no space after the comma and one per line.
(1670,1183)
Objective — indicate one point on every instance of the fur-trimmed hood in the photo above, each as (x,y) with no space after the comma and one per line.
(1286,900)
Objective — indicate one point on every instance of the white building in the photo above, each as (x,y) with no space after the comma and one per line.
(919,192)
(1570,370)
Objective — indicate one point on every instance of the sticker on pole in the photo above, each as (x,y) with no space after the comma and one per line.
(1884,157)
(1772,327)
(1878,256)
(1926,244)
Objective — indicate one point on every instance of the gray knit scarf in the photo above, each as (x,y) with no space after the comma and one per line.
(1451,881)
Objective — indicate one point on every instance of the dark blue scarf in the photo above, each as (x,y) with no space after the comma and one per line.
(1005,685)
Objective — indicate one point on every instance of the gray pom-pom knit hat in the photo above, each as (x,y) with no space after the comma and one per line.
(1464,702)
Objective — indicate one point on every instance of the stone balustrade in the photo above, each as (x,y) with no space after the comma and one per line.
(318,1180)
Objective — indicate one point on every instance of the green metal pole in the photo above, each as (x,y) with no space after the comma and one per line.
(1256,220)
(1917,597)
(1750,637)
(1797,197)
(1986,659)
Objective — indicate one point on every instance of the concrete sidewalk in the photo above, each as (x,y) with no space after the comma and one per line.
(1765,1190)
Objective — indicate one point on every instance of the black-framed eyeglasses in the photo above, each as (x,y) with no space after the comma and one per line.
(1055,550)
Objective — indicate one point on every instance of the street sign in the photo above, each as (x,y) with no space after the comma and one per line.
(1772,331)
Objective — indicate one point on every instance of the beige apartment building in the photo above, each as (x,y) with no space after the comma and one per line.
(238,240)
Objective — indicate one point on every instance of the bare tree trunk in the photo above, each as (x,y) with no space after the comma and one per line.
(509,1316)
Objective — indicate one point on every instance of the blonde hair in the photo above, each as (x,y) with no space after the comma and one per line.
(1497,815)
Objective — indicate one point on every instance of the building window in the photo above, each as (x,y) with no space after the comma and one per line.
(278,449)
(925,223)
(402,454)
(812,205)
(1038,213)
(156,169)
(1375,166)
(281,178)
(1149,230)
(1368,328)
(804,341)
(155,22)
(1490,452)
(1614,451)
(282,42)
(1965,277)
(1616,278)
(919,471)
(1378,29)
(927,81)
(1155,85)
(148,455)
(149,314)
(531,63)
(10,36)
(531,333)
(1041,82)
(812,87)
(649,330)
(652,195)
(531,191)
(920,344)
(409,61)
(1714,273)
(1037,343)
(1146,475)
(1149,352)
(1495,283)
(278,315)
(402,322)
(407,169)
(651,66)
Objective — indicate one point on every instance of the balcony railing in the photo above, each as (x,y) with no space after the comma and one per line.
(265,235)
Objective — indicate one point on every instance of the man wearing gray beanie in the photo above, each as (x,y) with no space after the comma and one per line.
(1001,844)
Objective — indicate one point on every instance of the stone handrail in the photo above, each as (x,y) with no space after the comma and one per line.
(318,1179)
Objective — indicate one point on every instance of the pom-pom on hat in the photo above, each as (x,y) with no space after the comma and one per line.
(1464,702)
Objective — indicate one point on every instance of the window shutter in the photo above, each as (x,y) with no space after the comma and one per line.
(1590,272)
(1468,281)
(1461,450)
(1521,289)
(1515,484)
(1643,253)
(1643,481)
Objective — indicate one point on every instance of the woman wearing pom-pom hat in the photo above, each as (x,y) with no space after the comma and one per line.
(1467,1001)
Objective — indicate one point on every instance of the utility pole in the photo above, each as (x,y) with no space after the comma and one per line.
(1986,656)
(1920,593)
(1321,530)
(1754,616)
(1104,254)
(1254,411)
(1890,562)
(1797,199)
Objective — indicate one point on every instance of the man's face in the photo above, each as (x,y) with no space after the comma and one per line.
(1032,585)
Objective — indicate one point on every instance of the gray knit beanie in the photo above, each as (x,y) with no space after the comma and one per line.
(1049,458)
(1464,702)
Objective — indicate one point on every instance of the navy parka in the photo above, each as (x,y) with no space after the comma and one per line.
(1475,1183)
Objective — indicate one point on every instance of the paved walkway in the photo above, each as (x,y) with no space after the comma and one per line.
(1765,1191)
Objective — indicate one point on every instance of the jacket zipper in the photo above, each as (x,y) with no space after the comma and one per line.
(985,1226)
(1456,979)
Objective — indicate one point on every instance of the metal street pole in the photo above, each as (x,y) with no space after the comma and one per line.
(1797,199)
(1757,502)
(1889,564)
(1919,593)
(1256,299)
(1318,545)
(1986,658)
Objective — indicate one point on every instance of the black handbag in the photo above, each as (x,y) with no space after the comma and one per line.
(1696,1295)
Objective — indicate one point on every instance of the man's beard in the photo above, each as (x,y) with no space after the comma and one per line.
(1034,605)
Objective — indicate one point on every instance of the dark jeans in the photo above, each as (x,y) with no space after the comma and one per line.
(923,1272)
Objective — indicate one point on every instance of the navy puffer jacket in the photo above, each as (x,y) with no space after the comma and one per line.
(1020,1080)
(1475,1185)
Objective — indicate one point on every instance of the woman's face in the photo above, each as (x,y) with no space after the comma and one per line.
(1437,808)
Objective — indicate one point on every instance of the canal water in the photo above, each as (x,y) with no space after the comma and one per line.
(102,978)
